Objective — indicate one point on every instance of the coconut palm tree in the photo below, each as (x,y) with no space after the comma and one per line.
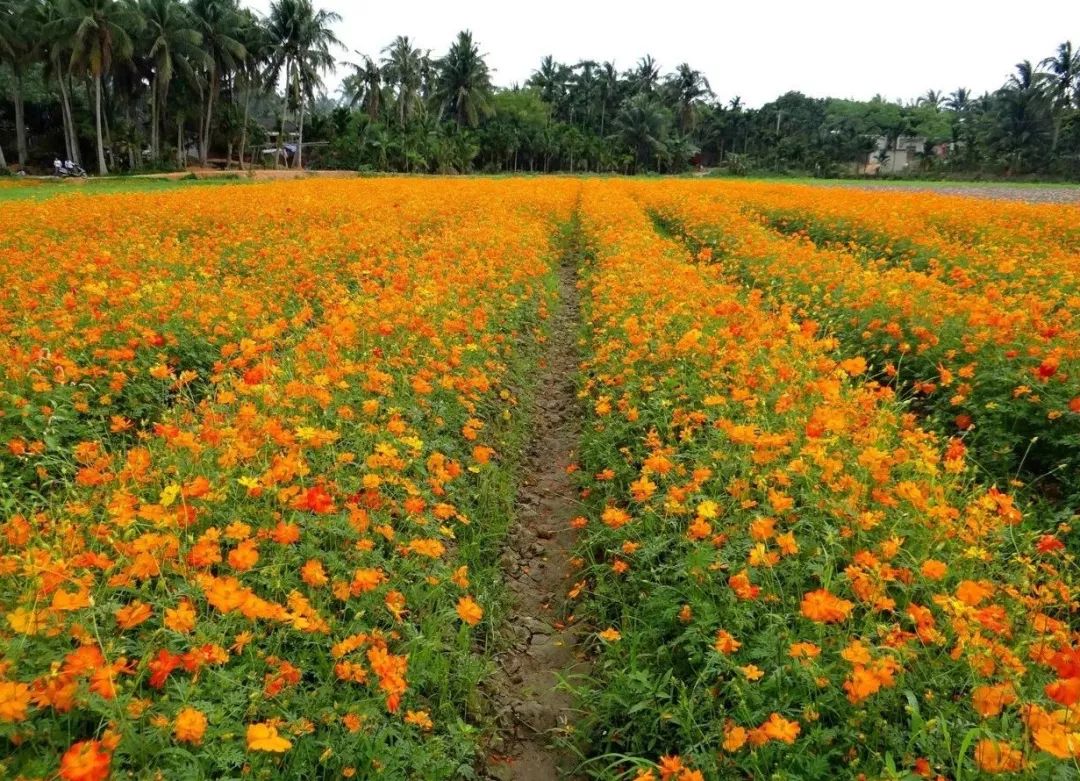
(100,38)
(56,37)
(364,85)
(688,87)
(645,76)
(402,68)
(463,88)
(552,79)
(607,90)
(218,22)
(931,98)
(642,125)
(315,58)
(257,52)
(172,47)
(959,100)
(1062,84)
(20,42)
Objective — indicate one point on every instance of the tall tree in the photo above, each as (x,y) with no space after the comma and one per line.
(101,36)
(364,86)
(314,58)
(688,87)
(403,70)
(172,46)
(642,124)
(218,22)
(1063,70)
(645,76)
(258,49)
(20,41)
(463,89)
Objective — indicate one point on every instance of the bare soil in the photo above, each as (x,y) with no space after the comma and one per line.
(532,710)
(1032,194)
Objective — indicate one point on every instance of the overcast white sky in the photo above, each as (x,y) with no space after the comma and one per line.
(756,49)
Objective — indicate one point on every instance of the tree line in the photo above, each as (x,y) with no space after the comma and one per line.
(124,85)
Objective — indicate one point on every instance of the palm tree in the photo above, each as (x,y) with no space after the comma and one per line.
(364,86)
(302,39)
(217,21)
(172,46)
(1025,77)
(56,37)
(607,89)
(20,40)
(314,59)
(645,76)
(463,87)
(642,125)
(959,100)
(255,39)
(1063,82)
(931,98)
(403,70)
(688,87)
(551,79)
(101,36)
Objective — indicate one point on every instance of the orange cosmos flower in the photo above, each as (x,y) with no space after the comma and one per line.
(419,718)
(469,612)
(824,607)
(734,737)
(313,573)
(264,736)
(614,517)
(14,700)
(996,756)
(86,760)
(776,727)
(130,616)
(190,726)
(991,700)
(181,618)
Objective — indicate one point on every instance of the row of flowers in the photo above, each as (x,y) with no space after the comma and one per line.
(287,573)
(793,578)
(998,365)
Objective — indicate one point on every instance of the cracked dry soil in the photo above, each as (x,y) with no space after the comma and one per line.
(532,711)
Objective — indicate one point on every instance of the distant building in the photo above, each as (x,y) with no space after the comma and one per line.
(909,153)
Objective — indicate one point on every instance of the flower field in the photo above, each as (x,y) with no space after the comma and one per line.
(261,447)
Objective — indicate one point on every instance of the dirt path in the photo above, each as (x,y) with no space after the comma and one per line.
(532,711)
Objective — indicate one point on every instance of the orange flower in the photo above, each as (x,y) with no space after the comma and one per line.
(725,643)
(991,700)
(469,612)
(14,700)
(614,517)
(130,616)
(419,718)
(995,756)
(86,760)
(313,573)
(779,728)
(244,556)
(190,726)
(610,635)
(734,737)
(264,736)
(752,672)
(932,569)
(824,607)
(181,618)
(804,651)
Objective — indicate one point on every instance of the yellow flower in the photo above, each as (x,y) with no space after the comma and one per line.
(264,737)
